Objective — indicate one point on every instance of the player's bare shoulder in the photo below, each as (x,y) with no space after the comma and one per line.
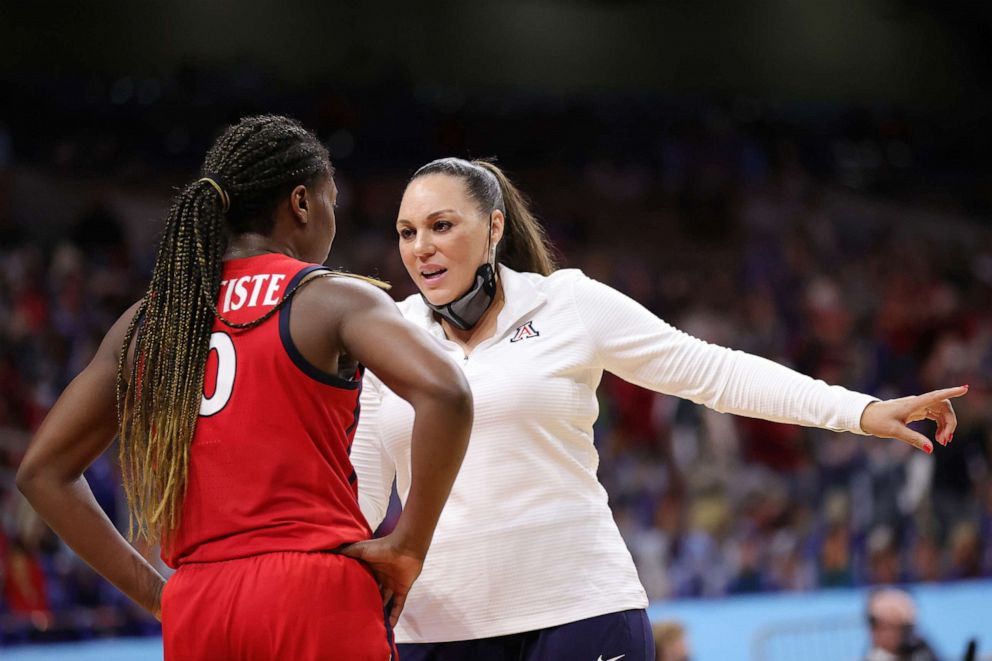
(379,284)
(333,294)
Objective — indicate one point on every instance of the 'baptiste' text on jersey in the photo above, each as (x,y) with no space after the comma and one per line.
(235,293)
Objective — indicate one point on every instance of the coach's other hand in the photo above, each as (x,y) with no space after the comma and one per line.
(890,419)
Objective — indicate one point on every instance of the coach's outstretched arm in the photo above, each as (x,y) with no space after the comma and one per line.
(652,354)
(80,426)
(410,362)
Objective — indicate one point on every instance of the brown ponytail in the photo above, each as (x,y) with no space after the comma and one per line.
(525,246)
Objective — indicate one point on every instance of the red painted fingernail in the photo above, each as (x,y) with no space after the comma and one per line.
(928,449)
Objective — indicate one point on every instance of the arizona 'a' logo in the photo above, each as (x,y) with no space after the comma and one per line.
(525,331)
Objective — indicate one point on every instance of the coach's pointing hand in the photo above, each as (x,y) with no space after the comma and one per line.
(395,567)
(889,419)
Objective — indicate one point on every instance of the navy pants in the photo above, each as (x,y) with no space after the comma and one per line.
(625,635)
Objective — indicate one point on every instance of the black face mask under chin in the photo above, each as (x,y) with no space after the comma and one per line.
(465,311)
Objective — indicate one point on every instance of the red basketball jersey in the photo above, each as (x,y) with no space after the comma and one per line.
(269,468)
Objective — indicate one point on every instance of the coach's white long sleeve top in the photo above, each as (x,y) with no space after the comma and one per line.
(527,540)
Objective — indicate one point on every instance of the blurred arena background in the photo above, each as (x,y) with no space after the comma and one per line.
(809,181)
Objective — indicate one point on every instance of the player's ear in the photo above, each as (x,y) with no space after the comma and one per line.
(298,204)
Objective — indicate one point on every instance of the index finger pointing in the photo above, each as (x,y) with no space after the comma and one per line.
(935,396)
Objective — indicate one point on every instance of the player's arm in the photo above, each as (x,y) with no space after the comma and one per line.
(410,363)
(80,426)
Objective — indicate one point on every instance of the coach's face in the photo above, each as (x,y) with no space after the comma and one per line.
(444,237)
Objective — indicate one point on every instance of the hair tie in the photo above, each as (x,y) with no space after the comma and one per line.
(225,199)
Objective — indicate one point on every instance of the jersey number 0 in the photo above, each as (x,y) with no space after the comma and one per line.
(227,362)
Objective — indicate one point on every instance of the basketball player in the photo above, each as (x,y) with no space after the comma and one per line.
(236,380)
(527,562)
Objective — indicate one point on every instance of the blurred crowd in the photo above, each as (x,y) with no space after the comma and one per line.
(802,238)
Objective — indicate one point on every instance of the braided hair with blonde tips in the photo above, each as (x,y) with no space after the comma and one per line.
(256,162)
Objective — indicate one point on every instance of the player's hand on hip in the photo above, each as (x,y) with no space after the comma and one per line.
(393,566)
(890,419)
